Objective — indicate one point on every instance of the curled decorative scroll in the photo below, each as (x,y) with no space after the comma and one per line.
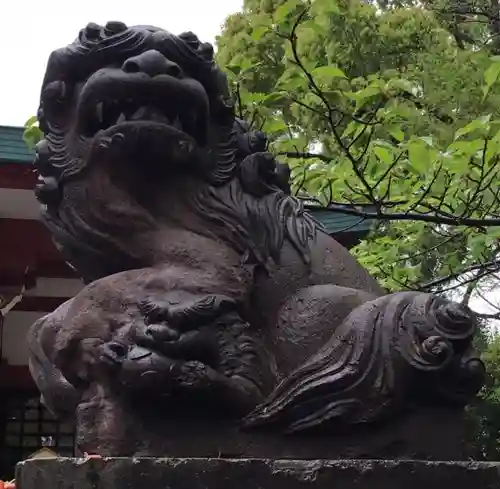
(396,350)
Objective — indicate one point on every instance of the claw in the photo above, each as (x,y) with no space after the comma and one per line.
(154,313)
(162,333)
(104,143)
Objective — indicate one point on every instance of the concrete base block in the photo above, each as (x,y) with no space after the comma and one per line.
(217,473)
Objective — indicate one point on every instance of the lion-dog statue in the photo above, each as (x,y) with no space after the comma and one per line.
(212,299)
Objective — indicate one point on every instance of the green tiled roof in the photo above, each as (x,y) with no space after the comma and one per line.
(13,149)
(337,222)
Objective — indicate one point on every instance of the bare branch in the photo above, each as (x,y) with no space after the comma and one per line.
(485,299)
(488,316)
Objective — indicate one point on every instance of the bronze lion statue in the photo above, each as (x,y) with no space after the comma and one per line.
(214,304)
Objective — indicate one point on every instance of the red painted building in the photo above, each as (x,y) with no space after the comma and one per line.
(33,281)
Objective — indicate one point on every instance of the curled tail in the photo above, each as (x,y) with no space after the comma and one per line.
(389,352)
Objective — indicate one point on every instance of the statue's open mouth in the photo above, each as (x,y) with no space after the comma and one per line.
(112,97)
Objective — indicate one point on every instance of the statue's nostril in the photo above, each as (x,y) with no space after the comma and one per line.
(131,66)
(172,69)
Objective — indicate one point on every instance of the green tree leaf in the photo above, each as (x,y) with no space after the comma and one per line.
(31,121)
(259,31)
(419,156)
(383,154)
(284,10)
(327,73)
(397,134)
(32,135)
(490,77)
(475,125)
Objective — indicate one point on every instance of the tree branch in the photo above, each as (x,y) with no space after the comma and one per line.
(319,93)
(483,270)
(305,155)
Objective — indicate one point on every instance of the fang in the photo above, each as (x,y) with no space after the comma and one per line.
(99,111)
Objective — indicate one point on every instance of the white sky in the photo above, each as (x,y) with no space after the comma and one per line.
(31,30)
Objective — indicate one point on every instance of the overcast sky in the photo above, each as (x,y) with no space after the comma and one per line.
(32,29)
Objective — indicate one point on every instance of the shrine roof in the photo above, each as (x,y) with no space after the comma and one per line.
(13,149)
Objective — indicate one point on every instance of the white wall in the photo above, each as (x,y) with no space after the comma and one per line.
(15,329)
(17,323)
(55,287)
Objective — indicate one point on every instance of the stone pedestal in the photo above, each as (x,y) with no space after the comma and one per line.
(426,434)
(218,473)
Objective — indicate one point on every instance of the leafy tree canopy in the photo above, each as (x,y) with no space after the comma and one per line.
(377,106)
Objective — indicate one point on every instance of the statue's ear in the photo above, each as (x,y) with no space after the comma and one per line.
(250,142)
(241,126)
(258,174)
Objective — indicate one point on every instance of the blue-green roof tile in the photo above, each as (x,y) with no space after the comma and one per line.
(13,149)
(336,222)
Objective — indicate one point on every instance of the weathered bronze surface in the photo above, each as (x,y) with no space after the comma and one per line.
(217,313)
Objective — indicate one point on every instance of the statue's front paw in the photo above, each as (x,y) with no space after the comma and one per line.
(185,311)
(198,345)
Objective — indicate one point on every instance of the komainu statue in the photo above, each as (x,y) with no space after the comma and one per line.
(218,317)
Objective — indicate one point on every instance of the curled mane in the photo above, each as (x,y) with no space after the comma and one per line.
(254,215)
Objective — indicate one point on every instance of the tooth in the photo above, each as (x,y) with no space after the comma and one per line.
(139,113)
(99,111)
(177,122)
(185,146)
(121,119)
